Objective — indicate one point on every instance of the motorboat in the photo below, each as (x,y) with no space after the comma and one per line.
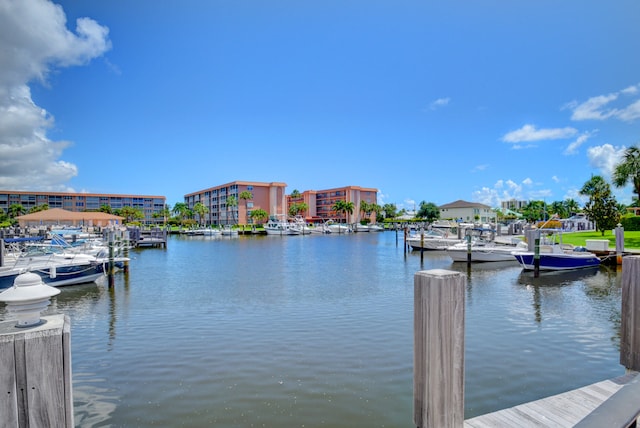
(373,227)
(553,255)
(334,227)
(55,269)
(361,227)
(279,226)
(433,239)
(484,251)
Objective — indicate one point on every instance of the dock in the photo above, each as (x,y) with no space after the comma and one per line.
(561,410)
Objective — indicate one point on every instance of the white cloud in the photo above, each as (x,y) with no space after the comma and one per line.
(482,167)
(605,158)
(574,146)
(555,179)
(530,133)
(34,40)
(600,107)
(440,102)
(527,181)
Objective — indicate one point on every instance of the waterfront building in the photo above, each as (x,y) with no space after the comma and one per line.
(513,204)
(151,206)
(468,212)
(269,197)
(320,203)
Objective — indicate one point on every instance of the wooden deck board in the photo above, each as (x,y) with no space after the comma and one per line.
(561,410)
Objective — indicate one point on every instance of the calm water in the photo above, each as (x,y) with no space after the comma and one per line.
(317,331)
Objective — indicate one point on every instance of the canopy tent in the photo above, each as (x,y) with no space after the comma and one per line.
(58,217)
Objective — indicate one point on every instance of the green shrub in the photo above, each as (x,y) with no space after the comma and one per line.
(630,222)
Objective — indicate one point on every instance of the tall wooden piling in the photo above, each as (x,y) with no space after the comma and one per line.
(630,316)
(619,235)
(438,358)
(35,374)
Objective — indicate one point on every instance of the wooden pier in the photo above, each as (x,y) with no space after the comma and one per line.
(562,410)
(439,302)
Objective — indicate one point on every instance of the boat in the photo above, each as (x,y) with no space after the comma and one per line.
(277,225)
(555,256)
(55,269)
(484,251)
(334,227)
(229,231)
(361,228)
(374,227)
(434,239)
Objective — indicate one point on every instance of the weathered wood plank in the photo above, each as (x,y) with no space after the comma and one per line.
(439,348)
(630,316)
(562,410)
(8,391)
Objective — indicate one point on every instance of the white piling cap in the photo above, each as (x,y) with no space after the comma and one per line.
(27,298)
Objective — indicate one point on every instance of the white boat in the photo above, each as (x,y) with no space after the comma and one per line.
(229,231)
(361,228)
(555,256)
(277,225)
(301,225)
(434,239)
(373,227)
(334,227)
(483,251)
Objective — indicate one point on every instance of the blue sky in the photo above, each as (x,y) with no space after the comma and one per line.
(481,100)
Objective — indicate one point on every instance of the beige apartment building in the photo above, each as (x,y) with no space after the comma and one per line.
(83,202)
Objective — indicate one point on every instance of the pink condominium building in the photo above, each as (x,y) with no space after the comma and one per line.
(271,198)
(266,196)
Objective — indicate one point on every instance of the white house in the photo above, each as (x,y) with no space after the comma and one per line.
(468,212)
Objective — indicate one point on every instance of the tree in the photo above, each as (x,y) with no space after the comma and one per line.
(259,215)
(602,207)
(130,214)
(232,204)
(295,193)
(297,208)
(15,210)
(200,209)
(365,209)
(535,210)
(571,206)
(246,195)
(343,207)
(428,211)
(39,208)
(390,210)
(628,170)
(104,208)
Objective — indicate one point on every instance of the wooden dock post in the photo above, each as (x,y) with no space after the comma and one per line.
(630,316)
(111,264)
(438,357)
(619,233)
(35,374)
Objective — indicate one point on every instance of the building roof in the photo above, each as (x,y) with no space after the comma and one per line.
(60,215)
(463,204)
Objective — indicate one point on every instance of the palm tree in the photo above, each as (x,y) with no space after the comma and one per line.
(246,195)
(200,209)
(181,210)
(259,215)
(365,209)
(628,170)
(15,210)
(344,208)
(232,203)
(571,206)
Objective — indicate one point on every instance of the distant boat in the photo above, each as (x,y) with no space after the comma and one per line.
(277,225)
(373,227)
(361,228)
(434,239)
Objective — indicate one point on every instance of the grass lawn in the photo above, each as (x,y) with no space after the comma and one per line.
(631,239)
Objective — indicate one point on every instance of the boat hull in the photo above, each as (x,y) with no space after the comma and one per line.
(482,255)
(61,276)
(557,261)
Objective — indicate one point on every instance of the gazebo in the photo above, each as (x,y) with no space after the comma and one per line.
(60,217)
